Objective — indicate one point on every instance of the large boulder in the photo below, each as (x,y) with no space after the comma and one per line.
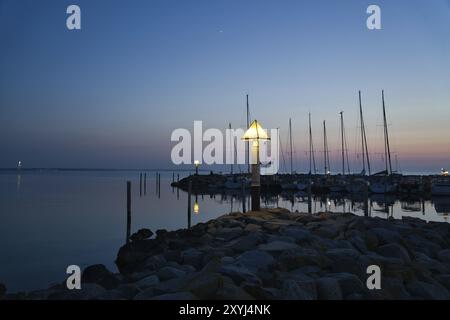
(88,291)
(99,274)
(444,255)
(149,281)
(142,234)
(168,273)
(277,246)
(175,296)
(255,260)
(328,289)
(239,274)
(292,291)
(349,283)
(428,291)
(394,250)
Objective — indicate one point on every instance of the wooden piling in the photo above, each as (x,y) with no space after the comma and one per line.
(140,184)
(128,211)
(189,203)
(145,183)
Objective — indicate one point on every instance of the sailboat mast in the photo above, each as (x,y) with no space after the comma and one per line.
(325,148)
(387,148)
(290,141)
(248,144)
(231,149)
(311,148)
(364,138)
(342,142)
(310,144)
(362,134)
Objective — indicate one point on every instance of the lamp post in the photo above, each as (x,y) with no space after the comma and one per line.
(196,206)
(197,164)
(255,133)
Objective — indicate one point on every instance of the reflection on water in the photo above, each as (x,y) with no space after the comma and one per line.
(49,220)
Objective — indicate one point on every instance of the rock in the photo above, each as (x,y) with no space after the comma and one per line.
(255,260)
(147,282)
(349,283)
(112,295)
(146,294)
(292,291)
(142,234)
(155,262)
(393,288)
(227,260)
(252,227)
(133,254)
(204,285)
(239,274)
(176,296)
(444,280)
(359,243)
(261,293)
(229,291)
(342,252)
(44,294)
(444,255)
(168,273)
(88,291)
(394,250)
(430,264)
(247,242)
(2,290)
(301,235)
(428,291)
(278,246)
(227,234)
(192,257)
(328,289)
(128,290)
(293,259)
(101,275)
(386,236)
(329,231)
(371,240)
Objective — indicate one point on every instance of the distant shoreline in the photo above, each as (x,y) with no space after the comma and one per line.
(165,170)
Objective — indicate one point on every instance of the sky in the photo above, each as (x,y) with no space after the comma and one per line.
(110,95)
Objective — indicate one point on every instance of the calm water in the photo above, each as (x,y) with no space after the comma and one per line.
(50,220)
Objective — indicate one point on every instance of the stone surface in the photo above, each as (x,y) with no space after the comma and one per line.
(148,282)
(167,273)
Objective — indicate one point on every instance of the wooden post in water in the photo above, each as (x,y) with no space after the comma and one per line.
(366,199)
(156,182)
(159,185)
(128,211)
(243,197)
(189,203)
(309,197)
(140,184)
(173,177)
(145,183)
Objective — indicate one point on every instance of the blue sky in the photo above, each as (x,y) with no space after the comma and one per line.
(110,94)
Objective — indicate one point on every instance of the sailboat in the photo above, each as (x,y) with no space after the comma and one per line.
(289,184)
(339,184)
(385,184)
(303,185)
(359,185)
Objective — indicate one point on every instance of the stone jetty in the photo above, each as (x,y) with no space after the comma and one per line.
(275,254)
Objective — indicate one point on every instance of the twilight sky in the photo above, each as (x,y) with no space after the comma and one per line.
(111,94)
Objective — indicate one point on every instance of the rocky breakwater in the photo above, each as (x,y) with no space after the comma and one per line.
(276,254)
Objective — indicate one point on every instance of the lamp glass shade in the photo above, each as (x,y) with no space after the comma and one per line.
(255,132)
